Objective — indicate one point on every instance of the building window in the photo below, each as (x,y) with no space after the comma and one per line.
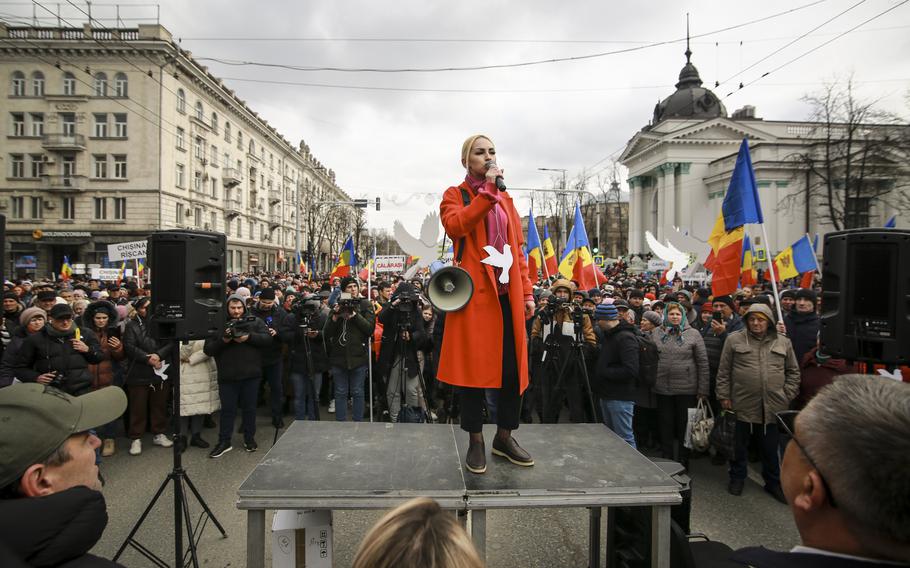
(100,208)
(37,161)
(181,176)
(214,186)
(179,216)
(18,123)
(17,164)
(69,84)
(18,206)
(197,216)
(214,155)
(68,123)
(227,160)
(100,125)
(100,85)
(181,139)
(181,101)
(18,84)
(252,148)
(37,123)
(120,84)
(120,125)
(38,84)
(99,166)
(214,123)
(252,230)
(239,228)
(120,208)
(227,131)
(69,209)
(857,212)
(120,166)
(197,182)
(213,219)
(198,148)
(200,111)
(37,208)
(239,140)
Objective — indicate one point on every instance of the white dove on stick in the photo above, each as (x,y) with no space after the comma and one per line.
(500,260)
(678,259)
(425,248)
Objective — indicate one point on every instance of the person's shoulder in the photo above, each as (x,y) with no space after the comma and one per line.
(761,557)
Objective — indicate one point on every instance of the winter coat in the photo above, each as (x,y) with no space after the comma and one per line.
(760,376)
(346,340)
(292,335)
(683,365)
(57,530)
(11,319)
(198,380)
(393,344)
(48,351)
(815,374)
(273,319)
(103,372)
(7,372)
(616,371)
(802,330)
(471,353)
(240,361)
(138,344)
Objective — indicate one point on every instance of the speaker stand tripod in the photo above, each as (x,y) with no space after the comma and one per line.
(574,363)
(181,481)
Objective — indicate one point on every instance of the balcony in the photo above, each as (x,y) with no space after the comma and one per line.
(63,183)
(232,208)
(274,220)
(231,177)
(274,196)
(63,142)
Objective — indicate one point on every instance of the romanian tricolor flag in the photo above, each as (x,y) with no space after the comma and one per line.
(549,253)
(301,266)
(366,271)
(66,271)
(795,259)
(121,273)
(535,250)
(577,262)
(749,275)
(346,260)
(140,267)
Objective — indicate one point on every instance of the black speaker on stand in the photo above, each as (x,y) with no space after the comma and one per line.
(187,280)
(2,248)
(865,312)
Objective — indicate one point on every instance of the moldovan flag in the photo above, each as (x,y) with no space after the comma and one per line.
(549,253)
(535,249)
(66,271)
(366,271)
(795,259)
(749,276)
(892,222)
(577,262)
(301,266)
(346,259)
(121,273)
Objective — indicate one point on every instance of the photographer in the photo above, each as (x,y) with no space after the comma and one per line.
(347,333)
(273,315)
(552,336)
(403,334)
(302,332)
(238,355)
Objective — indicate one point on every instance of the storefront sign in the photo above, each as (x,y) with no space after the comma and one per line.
(389,263)
(254,258)
(39,234)
(127,251)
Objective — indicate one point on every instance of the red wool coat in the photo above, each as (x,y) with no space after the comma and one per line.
(471,354)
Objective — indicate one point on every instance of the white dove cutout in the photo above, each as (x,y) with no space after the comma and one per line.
(160,371)
(425,248)
(500,260)
(678,259)
(894,376)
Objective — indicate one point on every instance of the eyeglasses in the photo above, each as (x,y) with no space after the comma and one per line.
(787,421)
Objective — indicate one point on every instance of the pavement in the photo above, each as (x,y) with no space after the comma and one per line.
(527,537)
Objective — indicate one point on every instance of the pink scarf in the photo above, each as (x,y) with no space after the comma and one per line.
(496,221)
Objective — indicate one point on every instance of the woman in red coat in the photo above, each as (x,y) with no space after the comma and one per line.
(484,344)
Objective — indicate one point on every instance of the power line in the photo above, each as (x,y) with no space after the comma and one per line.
(497,66)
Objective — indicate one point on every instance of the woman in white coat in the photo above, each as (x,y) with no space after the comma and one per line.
(198,391)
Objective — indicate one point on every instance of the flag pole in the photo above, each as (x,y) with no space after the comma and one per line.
(780,313)
(814,255)
(370,341)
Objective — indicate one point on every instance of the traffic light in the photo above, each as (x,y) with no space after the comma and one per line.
(361,203)
(377,204)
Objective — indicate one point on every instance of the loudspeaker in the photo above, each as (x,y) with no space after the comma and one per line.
(865,313)
(450,288)
(187,284)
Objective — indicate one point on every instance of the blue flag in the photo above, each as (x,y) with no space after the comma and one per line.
(892,223)
(741,203)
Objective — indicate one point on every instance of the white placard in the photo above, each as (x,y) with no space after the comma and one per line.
(110,274)
(393,263)
(126,251)
(658,265)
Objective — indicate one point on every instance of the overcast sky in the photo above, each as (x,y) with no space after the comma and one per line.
(403,144)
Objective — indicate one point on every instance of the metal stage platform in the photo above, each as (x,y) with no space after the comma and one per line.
(333,465)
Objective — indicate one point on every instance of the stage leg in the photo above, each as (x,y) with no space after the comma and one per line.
(660,536)
(255,538)
(479,531)
(594,537)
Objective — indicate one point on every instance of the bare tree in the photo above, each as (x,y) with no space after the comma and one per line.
(855,158)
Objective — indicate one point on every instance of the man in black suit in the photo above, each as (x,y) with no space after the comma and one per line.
(844,475)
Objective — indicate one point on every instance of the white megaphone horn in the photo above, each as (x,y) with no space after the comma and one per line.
(450,287)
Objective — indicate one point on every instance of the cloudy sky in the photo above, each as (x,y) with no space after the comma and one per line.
(397,135)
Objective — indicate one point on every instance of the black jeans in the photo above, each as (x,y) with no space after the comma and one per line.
(769,442)
(672,416)
(508,402)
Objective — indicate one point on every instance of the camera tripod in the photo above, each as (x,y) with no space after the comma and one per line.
(573,361)
(181,482)
(401,350)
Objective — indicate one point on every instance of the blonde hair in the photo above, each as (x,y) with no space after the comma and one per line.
(417,534)
(468,144)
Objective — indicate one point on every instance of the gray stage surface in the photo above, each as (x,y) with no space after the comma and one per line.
(330,465)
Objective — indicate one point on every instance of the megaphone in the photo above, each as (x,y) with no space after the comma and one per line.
(450,288)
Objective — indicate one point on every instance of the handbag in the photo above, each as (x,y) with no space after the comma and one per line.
(702,427)
(723,436)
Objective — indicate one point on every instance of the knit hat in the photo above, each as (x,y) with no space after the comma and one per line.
(10,295)
(61,310)
(725,300)
(466,149)
(605,312)
(28,313)
(806,294)
(652,317)
(242,291)
(788,293)
(707,307)
(649,296)
(347,281)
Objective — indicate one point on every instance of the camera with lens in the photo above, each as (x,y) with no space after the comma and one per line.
(303,311)
(406,301)
(347,303)
(238,327)
(58,380)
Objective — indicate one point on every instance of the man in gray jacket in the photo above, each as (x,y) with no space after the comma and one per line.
(757,377)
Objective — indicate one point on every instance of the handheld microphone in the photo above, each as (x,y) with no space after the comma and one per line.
(500,183)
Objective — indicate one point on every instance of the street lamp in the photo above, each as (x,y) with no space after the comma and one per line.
(562,228)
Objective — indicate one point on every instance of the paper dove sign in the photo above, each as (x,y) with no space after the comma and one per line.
(425,248)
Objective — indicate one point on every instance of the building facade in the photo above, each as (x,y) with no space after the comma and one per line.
(115,133)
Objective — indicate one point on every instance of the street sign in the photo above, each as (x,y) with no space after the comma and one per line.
(394,263)
(110,274)
(655,264)
(126,251)
(599,261)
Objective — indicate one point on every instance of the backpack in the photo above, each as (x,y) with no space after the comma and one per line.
(648,357)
